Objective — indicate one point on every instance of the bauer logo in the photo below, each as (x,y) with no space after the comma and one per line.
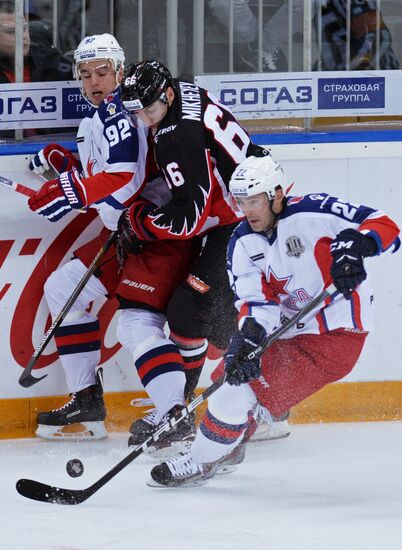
(351,93)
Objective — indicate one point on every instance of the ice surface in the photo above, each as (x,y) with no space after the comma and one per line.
(326,487)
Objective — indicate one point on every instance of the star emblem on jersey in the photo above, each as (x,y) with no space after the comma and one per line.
(278,284)
(295,246)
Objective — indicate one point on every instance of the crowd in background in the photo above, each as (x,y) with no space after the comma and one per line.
(48,52)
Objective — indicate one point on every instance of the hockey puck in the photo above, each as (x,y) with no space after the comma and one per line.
(75,467)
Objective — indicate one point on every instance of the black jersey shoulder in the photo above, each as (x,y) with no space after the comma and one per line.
(183,123)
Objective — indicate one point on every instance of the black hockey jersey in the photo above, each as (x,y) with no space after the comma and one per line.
(198,144)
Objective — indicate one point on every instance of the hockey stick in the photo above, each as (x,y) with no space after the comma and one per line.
(42,492)
(24,190)
(26,379)
(18,187)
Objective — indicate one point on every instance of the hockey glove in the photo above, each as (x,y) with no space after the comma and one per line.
(348,250)
(135,216)
(239,368)
(58,197)
(127,240)
(54,156)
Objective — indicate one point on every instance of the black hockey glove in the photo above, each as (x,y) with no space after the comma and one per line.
(238,367)
(348,250)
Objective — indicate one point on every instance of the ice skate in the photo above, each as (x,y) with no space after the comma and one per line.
(268,426)
(178,439)
(81,418)
(229,463)
(181,471)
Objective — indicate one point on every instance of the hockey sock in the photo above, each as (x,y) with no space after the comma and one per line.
(215,439)
(161,372)
(193,352)
(79,351)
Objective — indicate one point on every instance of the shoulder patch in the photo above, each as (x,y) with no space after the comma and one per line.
(294,200)
(111,108)
(109,98)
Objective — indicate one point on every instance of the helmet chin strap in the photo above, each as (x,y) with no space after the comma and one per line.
(88,100)
(276,216)
(268,230)
(116,66)
(163,98)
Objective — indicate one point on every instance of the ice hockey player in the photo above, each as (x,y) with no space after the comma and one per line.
(109,178)
(284,254)
(198,143)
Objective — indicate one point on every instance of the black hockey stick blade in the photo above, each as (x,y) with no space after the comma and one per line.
(42,492)
(26,380)
(46,493)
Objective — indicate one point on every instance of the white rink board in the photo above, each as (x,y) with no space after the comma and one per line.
(368,173)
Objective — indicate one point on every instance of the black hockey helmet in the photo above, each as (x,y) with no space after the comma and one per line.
(144,83)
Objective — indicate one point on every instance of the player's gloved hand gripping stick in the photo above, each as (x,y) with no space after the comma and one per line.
(42,492)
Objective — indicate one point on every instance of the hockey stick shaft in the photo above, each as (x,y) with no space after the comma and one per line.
(24,190)
(18,187)
(26,379)
(42,492)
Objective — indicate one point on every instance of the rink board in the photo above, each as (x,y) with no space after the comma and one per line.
(367,171)
(342,402)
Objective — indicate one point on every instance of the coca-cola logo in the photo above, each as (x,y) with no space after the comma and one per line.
(25,317)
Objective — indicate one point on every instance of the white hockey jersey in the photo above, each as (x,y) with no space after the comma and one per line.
(274,274)
(113,158)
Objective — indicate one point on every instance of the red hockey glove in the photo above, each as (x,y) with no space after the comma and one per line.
(57,197)
(127,239)
(130,236)
(54,156)
(135,215)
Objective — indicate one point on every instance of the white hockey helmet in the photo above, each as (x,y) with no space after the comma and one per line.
(257,175)
(98,46)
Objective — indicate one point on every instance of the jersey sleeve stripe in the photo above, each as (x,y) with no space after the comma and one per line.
(382,229)
(356,310)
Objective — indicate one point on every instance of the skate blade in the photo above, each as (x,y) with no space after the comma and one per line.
(165,453)
(83,431)
(268,436)
(269,432)
(226,469)
(196,483)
